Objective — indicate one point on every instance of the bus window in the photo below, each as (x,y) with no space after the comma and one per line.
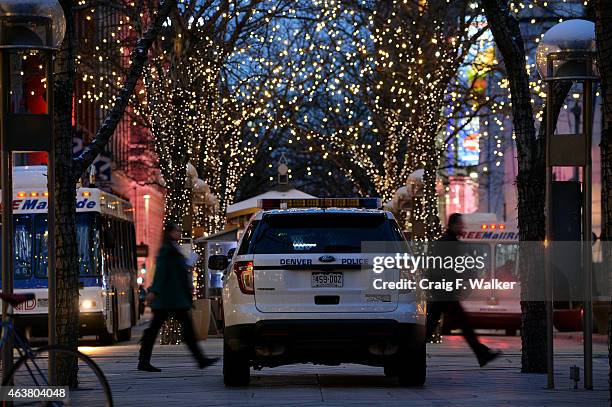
(123,251)
(133,265)
(129,246)
(41,233)
(482,250)
(86,250)
(23,246)
(118,244)
(127,241)
(108,243)
(96,248)
(506,255)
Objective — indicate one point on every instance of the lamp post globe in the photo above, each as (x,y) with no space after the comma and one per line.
(567,51)
(26,19)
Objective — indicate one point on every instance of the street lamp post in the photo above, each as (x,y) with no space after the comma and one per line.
(30,30)
(567,52)
(577,112)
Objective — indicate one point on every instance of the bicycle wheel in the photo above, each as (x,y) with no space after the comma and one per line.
(31,371)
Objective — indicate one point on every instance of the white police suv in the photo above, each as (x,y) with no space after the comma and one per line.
(299,290)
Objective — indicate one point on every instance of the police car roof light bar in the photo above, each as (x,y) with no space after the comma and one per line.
(364,203)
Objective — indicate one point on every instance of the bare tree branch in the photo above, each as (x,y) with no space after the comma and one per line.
(138,59)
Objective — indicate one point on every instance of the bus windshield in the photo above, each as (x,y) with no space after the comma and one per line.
(87,244)
(506,256)
(22,246)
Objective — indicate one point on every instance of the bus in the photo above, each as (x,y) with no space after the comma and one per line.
(106,246)
(498,242)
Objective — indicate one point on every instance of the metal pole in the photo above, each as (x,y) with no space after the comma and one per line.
(576,110)
(550,128)
(7,252)
(52,296)
(7,216)
(587,238)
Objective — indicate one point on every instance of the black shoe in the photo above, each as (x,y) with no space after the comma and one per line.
(204,363)
(147,367)
(488,356)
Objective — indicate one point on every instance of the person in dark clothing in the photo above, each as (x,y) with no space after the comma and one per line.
(170,295)
(447,302)
(142,294)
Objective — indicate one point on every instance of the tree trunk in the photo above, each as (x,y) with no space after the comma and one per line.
(603,18)
(67,269)
(177,197)
(430,215)
(534,312)
(68,170)
(177,204)
(530,181)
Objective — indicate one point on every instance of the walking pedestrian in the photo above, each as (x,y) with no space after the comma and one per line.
(142,295)
(170,295)
(447,302)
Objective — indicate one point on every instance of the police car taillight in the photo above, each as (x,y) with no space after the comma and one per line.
(244,272)
(365,203)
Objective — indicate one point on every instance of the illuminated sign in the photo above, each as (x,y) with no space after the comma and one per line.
(40,205)
(468,143)
(490,235)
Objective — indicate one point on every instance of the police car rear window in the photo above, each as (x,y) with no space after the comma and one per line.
(320,233)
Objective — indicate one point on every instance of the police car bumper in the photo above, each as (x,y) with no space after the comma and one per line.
(279,342)
(37,324)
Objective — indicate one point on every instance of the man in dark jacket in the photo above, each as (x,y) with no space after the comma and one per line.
(170,295)
(447,302)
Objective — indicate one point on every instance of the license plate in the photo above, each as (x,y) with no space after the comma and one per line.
(327,280)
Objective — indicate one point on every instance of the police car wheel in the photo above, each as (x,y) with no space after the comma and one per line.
(236,368)
(411,368)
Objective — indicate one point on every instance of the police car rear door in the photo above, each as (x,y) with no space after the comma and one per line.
(311,261)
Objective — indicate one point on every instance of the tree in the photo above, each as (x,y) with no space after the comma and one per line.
(192,116)
(395,83)
(210,96)
(69,170)
(603,18)
(531,177)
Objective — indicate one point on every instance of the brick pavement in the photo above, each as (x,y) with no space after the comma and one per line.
(454,379)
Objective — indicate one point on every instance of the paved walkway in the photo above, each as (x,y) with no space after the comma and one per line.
(454,379)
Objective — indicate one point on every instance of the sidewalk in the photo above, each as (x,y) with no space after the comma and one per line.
(454,379)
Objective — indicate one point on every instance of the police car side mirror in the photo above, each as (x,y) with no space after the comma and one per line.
(218,262)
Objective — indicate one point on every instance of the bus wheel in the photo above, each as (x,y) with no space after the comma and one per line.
(106,338)
(124,335)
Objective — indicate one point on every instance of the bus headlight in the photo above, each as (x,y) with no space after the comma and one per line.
(88,304)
